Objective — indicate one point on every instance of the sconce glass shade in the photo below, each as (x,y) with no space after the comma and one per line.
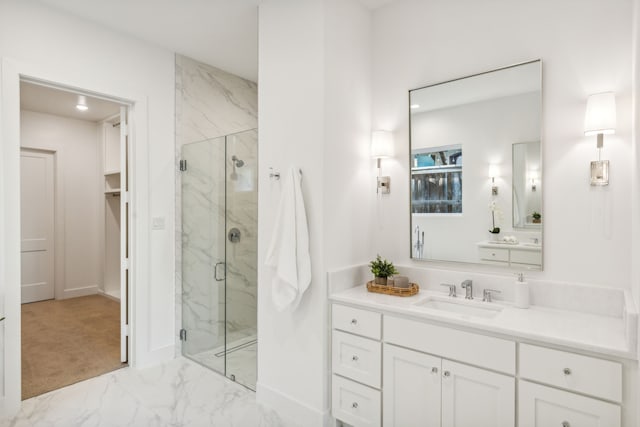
(601,114)
(494,171)
(381,144)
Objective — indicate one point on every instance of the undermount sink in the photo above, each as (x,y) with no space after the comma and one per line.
(460,306)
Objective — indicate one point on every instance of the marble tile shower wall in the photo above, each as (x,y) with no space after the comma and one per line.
(212,103)
(242,210)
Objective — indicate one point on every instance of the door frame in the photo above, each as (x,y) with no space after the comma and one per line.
(12,72)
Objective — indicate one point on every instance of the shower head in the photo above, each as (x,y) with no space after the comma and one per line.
(237,162)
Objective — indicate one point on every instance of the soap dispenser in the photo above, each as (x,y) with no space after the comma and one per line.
(522,292)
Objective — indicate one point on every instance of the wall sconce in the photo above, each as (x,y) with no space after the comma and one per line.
(493,173)
(382,148)
(533,175)
(600,120)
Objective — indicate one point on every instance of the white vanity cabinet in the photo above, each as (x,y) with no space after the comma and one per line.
(412,388)
(395,370)
(423,390)
(542,405)
(356,358)
(510,255)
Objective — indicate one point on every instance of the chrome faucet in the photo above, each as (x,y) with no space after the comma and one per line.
(467,285)
(419,244)
(452,289)
(487,294)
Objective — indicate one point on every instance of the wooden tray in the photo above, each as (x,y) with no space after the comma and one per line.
(392,290)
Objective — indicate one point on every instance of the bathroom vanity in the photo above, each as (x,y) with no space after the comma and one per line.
(435,360)
(520,255)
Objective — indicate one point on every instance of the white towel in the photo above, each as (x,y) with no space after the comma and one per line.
(288,251)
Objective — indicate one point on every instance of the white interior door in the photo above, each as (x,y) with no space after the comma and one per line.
(37,225)
(125,212)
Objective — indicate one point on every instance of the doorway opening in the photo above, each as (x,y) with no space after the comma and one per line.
(75,218)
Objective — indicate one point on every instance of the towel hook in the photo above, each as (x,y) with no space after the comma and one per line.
(274,175)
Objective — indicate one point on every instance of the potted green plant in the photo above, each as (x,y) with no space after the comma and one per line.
(537,218)
(381,269)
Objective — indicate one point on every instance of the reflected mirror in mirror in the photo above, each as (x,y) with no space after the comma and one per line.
(526,199)
(476,170)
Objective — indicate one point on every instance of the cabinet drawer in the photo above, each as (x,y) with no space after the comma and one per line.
(356,321)
(540,406)
(496,254)
(479,350)
(588,375)
(526,257)
(357,358)
(354,403)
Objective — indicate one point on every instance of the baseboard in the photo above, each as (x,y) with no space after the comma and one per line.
(289,408)
(154,357)
(79,292)
(8,409)
(107,295)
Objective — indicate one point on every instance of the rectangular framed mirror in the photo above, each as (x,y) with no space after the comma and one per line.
(476,169)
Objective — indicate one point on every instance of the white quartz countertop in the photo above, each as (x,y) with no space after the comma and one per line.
(589,332)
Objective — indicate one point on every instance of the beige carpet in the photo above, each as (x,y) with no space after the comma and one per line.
(66,341)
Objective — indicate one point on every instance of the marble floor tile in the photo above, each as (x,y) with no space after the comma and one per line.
(179,393)
(241,362)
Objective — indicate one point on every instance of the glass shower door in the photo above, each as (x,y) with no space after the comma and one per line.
(219,254)
(242,257)
(203,252)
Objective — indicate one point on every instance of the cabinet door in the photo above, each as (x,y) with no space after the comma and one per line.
(540,406)
(473,397)
(411,388)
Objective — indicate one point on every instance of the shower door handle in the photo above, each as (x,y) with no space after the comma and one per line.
(215,271)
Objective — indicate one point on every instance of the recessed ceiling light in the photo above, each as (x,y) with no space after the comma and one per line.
(415,106)
(82,103)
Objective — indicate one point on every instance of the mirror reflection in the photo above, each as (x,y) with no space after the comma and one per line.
(526,201)
(476,175)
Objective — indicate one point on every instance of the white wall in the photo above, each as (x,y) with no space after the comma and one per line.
(43,43)
(78,197)
(314,114)
(586,229)
(291,123)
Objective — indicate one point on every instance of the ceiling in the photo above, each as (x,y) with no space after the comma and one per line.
(43,99)
(222,33)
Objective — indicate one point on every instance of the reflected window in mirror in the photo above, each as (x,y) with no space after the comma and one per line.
(436,180)
(494,119)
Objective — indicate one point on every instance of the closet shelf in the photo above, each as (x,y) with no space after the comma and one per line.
(111,172)
(112,191)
